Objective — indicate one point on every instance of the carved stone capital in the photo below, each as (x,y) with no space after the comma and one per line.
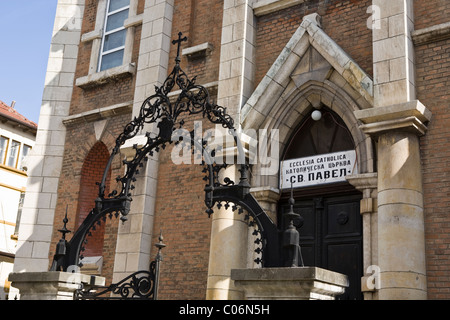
(411,116)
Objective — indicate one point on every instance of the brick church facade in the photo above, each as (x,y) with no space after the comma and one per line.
(378,71)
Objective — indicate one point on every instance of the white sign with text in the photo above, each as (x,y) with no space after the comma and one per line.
(320,169)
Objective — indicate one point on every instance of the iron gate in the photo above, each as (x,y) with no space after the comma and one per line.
(167,115)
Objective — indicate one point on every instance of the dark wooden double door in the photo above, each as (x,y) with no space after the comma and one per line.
(331,237)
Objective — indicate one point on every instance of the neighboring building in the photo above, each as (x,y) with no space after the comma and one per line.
(17,136)
(377,70)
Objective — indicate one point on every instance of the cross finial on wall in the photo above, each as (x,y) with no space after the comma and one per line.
(178,41)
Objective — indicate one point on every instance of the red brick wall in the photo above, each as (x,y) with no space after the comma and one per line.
(431,12)
(180,216)
(83,152)
(108,94)
(180,210)
(200,21)
(433,81)
(344,21)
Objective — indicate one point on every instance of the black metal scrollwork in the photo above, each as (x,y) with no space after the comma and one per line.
(139,285)
(166,114)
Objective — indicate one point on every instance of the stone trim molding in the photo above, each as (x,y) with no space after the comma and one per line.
(99,114)
(367,183)
(263,7)
(198,51)
(106,76)
(431,34)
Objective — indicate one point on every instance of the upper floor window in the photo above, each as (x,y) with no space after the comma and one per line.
(3,149)
(13,152)
(113,41)
(25,151)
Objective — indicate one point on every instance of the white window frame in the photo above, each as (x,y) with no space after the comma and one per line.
(14,156)
(106,33)
(5,151)
(22,155)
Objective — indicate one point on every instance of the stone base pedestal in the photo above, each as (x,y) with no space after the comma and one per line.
(52,285)
(302,283)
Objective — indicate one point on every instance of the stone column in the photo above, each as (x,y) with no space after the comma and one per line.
(134,237)
(396,121)
(45,160)
(229,230)
(367,184)
(228,250)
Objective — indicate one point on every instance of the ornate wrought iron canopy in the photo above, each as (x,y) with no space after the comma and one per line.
(168,115)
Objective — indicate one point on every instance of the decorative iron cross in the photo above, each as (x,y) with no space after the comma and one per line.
(179,44)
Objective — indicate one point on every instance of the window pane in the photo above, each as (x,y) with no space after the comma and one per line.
(25,150)
(116,20)
(3,148)
(13,153)
(112,60)
(114,40)
(117,4)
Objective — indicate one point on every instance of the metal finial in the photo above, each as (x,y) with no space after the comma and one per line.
(178,41)
(160,245)
(64,229)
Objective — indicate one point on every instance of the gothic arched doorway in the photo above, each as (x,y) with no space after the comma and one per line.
(316,159)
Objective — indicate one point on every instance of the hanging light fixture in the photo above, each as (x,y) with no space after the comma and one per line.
(316,115)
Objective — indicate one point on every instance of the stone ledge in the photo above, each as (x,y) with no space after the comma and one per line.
(431,34)
(51,285)
(92,35)
(263,7)
(133,21)
(199,51)
(307,283)
(106,76)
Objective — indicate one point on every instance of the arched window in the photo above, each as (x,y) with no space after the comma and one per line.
(326,135)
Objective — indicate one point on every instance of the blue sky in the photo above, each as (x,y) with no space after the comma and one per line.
(25,35)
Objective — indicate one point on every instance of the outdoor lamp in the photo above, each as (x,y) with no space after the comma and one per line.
(316,115)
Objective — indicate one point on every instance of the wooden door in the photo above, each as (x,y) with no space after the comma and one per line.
(331,237)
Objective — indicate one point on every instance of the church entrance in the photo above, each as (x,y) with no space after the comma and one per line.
(330,230)
(319,156)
